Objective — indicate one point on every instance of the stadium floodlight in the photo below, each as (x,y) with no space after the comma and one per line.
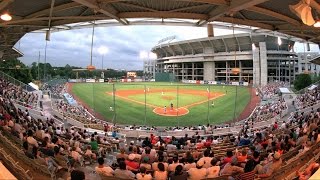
(103,50)
(6,17)
(279,41)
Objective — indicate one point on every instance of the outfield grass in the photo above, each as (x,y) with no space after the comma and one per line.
(96,96)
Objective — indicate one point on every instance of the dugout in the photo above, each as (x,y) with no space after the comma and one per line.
(165,77)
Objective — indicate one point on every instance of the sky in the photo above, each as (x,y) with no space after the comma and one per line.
(122,45)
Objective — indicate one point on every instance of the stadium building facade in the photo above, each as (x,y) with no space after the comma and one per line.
(253,58)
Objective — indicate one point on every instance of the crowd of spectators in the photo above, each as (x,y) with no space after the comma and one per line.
(253,153)
(271,89)
(11,91)
(309,98)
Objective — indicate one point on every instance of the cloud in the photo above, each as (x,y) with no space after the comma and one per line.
(124,44)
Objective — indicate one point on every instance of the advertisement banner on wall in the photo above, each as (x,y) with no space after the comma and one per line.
(90,80)
(101,80)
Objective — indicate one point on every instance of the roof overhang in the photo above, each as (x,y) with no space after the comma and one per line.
(31,15)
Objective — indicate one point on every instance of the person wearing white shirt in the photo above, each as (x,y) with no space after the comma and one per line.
(172,167)
(31,140)
(198,172)
(143,175)
(161,174)
(214,170)
(103,170)
(283,125)
(190,164)
(206,160)
(75,155)
(58,131)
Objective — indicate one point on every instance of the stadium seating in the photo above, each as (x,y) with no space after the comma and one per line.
(20,131)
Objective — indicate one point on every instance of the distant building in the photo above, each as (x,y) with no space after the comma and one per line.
(149,69)
(255,58)
(304,64)
(131,74)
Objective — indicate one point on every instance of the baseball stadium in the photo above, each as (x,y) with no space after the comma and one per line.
(235,95)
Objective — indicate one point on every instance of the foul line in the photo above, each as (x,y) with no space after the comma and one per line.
(186,107)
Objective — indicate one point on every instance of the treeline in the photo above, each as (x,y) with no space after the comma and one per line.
(45,71)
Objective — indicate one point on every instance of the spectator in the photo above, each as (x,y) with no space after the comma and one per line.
(214,170)
(172,167)
(270,167)
(145,163)
(143,174)
(199,172)
(206,160)
(248,173)
(77,175)
(178,174)
(190,164)
(308,172)
(122,172)
(160,160)
(103,170)
(131,163)
(94,144)
(161,173)
(231,168)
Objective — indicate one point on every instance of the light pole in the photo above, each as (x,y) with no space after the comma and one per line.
(102,50)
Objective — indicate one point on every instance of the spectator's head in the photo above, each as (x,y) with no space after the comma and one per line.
(178,170)
(214,161)
(56,150)
(190,160)
(206,153)
(234,161)
(256,154)
(229,153)
(160,166)
(30,133)
(160,159)
(175,159)
(131,157)
(100,161)
(148,150)
(143,169)
(122,165)
(145,159)
(77,175)
(276,156)
(244,152)
(200,164)
(249,166)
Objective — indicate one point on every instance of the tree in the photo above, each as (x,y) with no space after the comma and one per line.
(15,68)
(302,81)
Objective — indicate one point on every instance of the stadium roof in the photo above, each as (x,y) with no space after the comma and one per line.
(228,43)
(31,15)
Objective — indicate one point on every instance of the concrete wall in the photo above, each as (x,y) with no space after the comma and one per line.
(263,64)
(208,71)
(256,67)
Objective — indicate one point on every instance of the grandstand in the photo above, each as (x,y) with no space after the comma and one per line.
(44,134)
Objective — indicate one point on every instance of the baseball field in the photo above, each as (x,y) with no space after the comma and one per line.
(164,104)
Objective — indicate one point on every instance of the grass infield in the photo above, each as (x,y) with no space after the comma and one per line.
(135,100)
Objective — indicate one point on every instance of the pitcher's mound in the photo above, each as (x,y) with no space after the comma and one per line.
(174,112)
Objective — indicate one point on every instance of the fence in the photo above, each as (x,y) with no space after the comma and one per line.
(163,104)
